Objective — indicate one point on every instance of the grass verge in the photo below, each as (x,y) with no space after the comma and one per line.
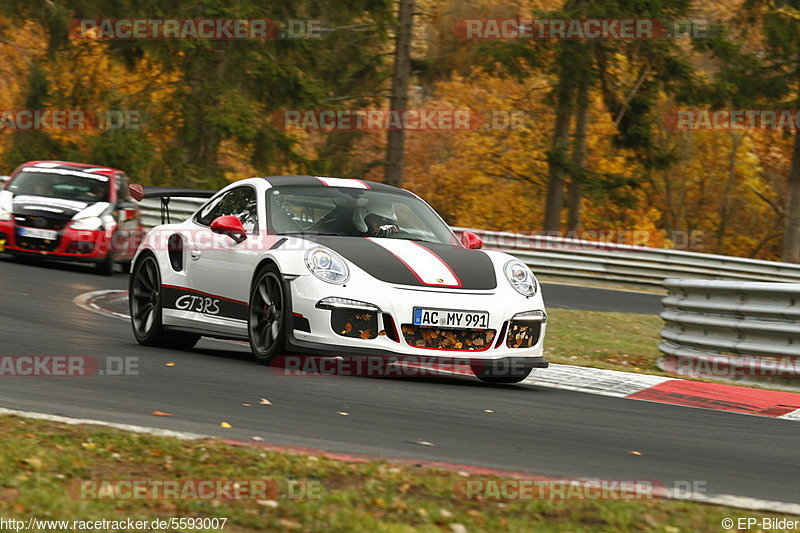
(40,461)
(617,341)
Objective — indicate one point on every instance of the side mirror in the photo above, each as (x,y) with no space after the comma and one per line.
(4,180)
(137,191)
(471,241)
(231,226)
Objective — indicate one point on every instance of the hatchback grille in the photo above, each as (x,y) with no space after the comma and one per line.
(38,245)
(37,221)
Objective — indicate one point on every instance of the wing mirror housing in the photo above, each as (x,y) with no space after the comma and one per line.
(471,241)
(136,191)
(231,226)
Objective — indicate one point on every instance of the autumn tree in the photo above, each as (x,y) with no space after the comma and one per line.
(226,91)
(399,99)
(780,25)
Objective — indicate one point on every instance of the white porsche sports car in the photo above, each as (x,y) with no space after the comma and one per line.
(334,266)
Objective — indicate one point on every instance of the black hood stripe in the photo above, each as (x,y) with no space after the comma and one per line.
(472,268)
(427,267)
(377,261)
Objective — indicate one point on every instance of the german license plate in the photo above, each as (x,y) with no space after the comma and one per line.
(450,318)
(37,233)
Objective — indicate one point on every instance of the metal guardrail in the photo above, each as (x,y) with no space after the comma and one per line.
(179,208)
(731,330)
(629,265)
(578,260)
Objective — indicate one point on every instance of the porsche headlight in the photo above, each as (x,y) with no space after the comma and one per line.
(327,265)
(521,278)
(87,223)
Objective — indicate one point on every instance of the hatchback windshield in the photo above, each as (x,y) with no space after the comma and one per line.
(354,212)
(60,183)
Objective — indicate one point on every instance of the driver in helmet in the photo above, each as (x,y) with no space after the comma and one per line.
(376,219)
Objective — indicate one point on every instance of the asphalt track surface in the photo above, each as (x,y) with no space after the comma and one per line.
(595,299)
(534,429)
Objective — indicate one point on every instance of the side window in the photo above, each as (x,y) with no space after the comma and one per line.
(240,202)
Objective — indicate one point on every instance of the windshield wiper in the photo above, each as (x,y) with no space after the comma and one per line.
(316,233)
(417,240)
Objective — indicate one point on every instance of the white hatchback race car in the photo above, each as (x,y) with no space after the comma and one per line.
(334,266)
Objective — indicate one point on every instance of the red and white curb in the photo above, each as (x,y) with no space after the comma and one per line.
(675,391)
(89,301)
(615,383)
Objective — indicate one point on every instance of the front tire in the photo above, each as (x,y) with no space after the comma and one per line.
(144,302)
(266,327)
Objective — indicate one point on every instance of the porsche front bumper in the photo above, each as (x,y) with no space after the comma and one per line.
(319,328)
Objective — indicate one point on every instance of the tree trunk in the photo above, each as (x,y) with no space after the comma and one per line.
(791,233)
(557,157)
(578,165)
(402,74)
(724,210)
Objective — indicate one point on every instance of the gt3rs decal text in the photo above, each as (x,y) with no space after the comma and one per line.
(198,304)
(184,299)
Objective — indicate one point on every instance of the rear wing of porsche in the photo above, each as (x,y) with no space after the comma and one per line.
(139,193)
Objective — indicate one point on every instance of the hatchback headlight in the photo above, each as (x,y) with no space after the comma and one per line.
(87,223)
(521,278)
(5,214)
(327,265)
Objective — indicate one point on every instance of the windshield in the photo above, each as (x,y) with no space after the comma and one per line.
(60,183)
(354,213)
